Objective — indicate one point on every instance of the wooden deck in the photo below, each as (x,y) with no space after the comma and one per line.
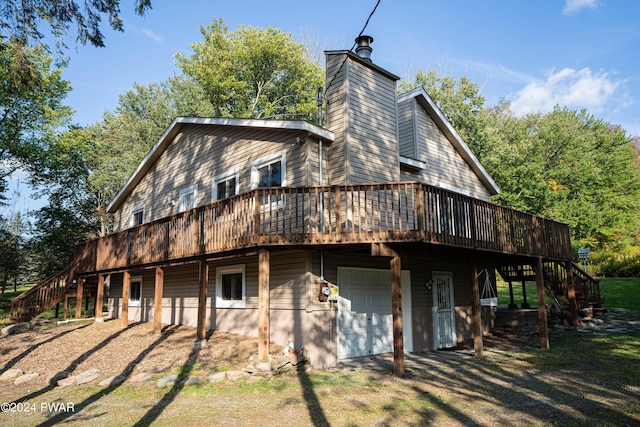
(328,215)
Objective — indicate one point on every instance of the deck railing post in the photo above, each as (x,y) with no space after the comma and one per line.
(421,213)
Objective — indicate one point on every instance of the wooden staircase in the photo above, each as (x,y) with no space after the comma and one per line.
(46,294)
(40,298)
(587,288)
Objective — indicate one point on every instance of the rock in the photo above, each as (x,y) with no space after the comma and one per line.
(54,378)
(167,381)
(25,378)
(236,375)
(216,377)
(263,366)
(39,321)
(112,381)
(18,328)
(66,382)
(280,362)
(142,377)
(10,374)
(192,381)
(87,376)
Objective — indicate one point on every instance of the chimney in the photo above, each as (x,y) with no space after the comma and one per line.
(364,47)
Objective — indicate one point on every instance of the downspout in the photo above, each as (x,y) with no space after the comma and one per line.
(320,171)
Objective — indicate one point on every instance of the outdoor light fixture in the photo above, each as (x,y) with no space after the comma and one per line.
(298,141)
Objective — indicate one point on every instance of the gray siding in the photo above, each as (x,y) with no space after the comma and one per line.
(445,166)
(336,119)
(202,152)
(362,113)
(407,138)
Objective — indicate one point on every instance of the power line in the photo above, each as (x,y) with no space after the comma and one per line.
(352,47)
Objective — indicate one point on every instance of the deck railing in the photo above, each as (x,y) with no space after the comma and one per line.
(339,214)
(38,299)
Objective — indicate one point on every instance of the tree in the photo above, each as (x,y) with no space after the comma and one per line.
(31,110)
(254,73)
(21,21)
(571,167)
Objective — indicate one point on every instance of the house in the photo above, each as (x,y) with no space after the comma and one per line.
(372,234)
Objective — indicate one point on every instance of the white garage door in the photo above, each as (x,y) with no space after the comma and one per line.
(365,322)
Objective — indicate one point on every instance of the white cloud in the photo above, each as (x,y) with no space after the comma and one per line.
(575,6)
(158,38)
(575,89)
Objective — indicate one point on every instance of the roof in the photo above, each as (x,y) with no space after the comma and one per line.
(365,62)
(452,135)
(180,122)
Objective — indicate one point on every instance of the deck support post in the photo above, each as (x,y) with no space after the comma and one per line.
(264,302)
(395,265)
(512,303)
(476,315)
(99,297)
(542,308)
(571,295)
(157,301)
(396,310)
(126,287)
(202,303)
(79,291)
(525,304)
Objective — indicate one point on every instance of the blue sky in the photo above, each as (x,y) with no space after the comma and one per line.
(578,53)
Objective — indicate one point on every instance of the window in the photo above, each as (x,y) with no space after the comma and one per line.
(188,198)
(230,286)
(268,172)
(135,291)
(137,216)
(225,185)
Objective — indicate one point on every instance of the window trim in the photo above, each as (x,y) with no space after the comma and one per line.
(280,156)
(264,161)
(134,211)
(135,303)
(230,269)
(234,173)
(190,189)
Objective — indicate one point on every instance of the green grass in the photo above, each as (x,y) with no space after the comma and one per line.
(621,293)
(616,293)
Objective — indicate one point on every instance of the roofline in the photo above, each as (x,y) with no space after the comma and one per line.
(362,61)
(179,122)
(456,140)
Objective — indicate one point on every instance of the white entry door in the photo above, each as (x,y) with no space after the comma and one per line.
(444,316)
(365,321)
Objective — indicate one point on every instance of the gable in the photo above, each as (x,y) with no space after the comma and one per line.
(432,151)
(196,154)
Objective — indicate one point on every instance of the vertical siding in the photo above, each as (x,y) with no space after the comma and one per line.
(336,118)
(445,167)
(372,133)
(201,152)
(407,137)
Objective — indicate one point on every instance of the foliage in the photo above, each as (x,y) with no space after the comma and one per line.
(12,249)
(60,226)
(113,148)
(22,21)
(31,111)
(254,73)
(571,167)
(617,264)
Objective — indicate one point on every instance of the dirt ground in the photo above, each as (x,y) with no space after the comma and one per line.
(447,388)
(77,347)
